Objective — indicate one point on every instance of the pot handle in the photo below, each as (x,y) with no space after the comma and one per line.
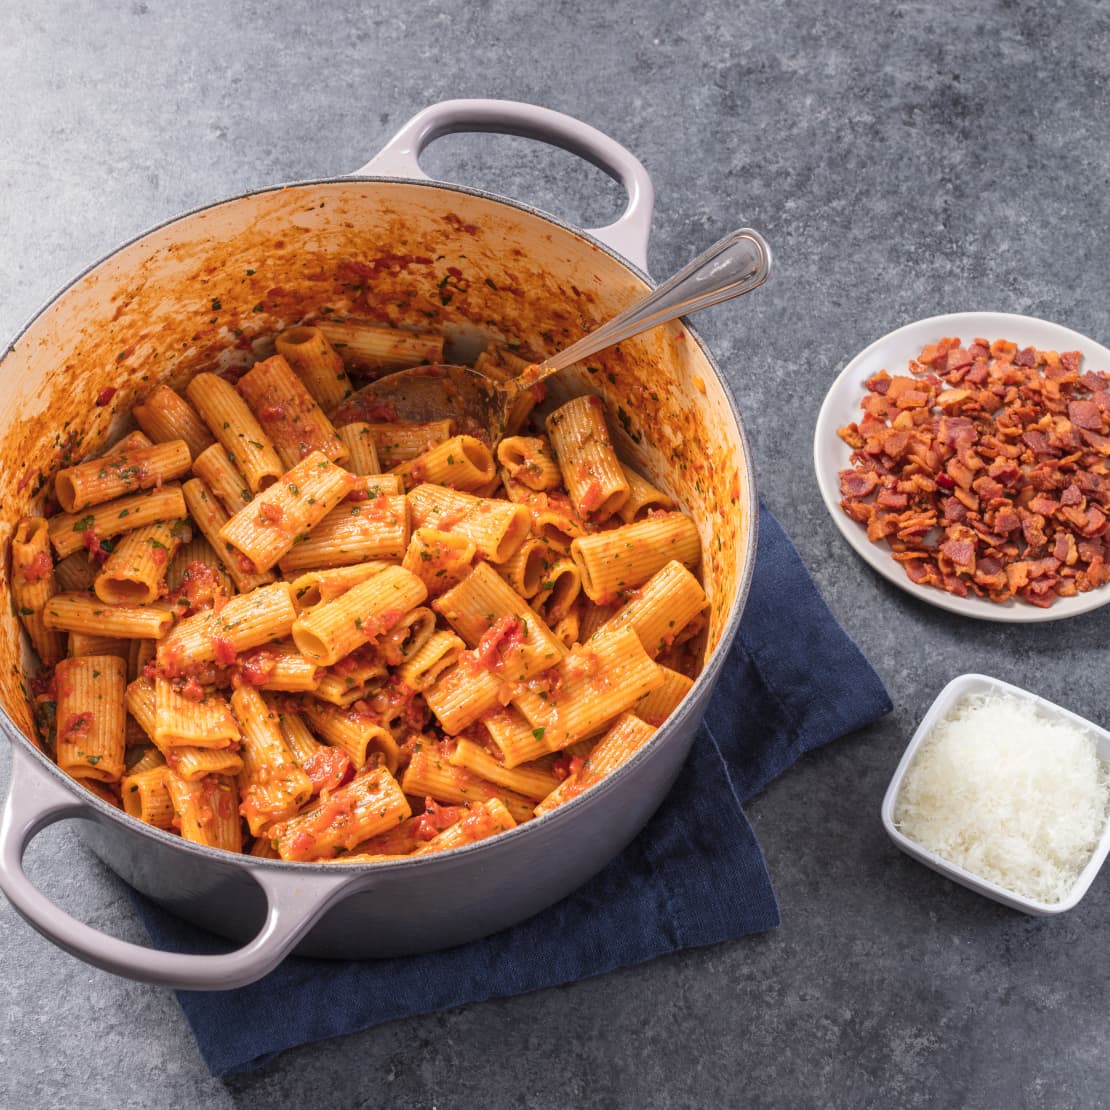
(628,235)
(295,900)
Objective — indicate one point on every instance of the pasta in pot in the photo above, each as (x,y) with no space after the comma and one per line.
(270,633)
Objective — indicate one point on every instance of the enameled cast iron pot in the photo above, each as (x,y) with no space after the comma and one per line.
(389,243)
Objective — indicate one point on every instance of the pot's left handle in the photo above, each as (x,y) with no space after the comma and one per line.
(295,900)
(628,235)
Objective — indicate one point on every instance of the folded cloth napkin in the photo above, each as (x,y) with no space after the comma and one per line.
(793,681)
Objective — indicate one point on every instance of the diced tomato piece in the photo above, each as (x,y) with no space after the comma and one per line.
(328,769)
(38,567)
(436,818)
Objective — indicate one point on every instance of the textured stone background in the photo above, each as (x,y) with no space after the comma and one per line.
(904,159)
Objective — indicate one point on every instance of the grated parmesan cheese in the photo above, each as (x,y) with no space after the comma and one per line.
(1007,793)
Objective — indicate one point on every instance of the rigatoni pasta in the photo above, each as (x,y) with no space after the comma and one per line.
(352,533)
(70,532)
(284,514)
(362,451)
(288,413)
(135,571)
(373,347)
(235,428)
(33,584)
(307,659)
(592,473)
(397,442)
(317,364)
(461,462)
(217,469)
(626,557)
(90,741)
(117,474)
(165,415)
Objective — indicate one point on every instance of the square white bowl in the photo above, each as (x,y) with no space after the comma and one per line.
(981,684)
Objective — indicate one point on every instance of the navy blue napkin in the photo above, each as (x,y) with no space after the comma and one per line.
(793,681)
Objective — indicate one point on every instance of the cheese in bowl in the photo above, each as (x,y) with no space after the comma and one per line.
(1005,793)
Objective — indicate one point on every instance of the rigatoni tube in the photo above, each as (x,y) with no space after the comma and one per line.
(353,532)
(209,515)
(483,821)
(246,621)
(285,513)
(661,609)
(117,474)
(79,612)
(33,585)
(530,461)
(216,468)
(207,810)
(627,736)
(592,472)
(90,717)
(271,784)
(589,688)
(165,415)
(359,734)
(430,774)
(626,557)
(316,362)
(461,462)
(135,572)
(335,629)
(439,559)
(369,805)
(497,527)
(362,453)
(69,532)
(234,426)
(288,413)
(490,615)
(373,347)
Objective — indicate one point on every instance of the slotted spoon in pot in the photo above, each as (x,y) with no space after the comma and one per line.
(734,265)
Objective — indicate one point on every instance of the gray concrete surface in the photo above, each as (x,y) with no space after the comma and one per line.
(904,159)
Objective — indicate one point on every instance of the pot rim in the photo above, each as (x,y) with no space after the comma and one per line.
(706,678)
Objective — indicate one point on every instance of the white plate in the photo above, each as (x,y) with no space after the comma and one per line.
(893,353)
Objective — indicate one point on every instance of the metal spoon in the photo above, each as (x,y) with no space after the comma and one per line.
(736,264)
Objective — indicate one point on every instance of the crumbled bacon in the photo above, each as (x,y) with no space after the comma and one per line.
(986,469)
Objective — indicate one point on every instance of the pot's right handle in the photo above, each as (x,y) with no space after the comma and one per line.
(296,899)
(628,235)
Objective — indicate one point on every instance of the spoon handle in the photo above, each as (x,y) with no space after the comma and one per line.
(737,264)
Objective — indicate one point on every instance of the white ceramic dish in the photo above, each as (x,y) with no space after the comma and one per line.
(958,688)
(892,353)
